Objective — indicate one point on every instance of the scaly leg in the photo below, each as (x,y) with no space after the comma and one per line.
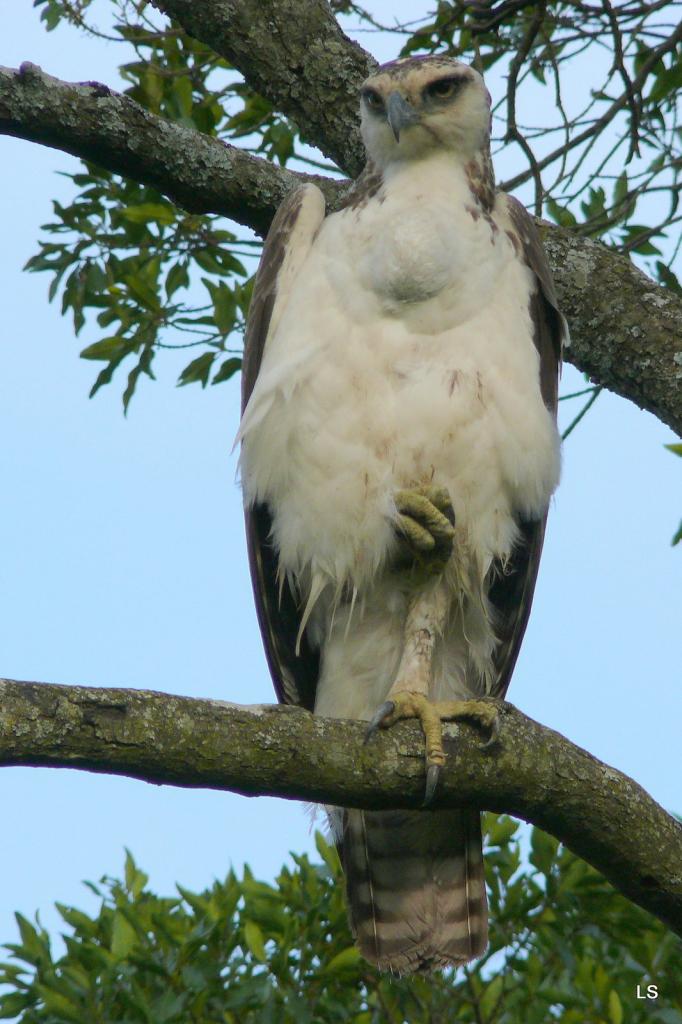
(426,521)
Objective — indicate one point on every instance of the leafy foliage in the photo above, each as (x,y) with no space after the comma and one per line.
(124,252)
(588,110)
(564,947)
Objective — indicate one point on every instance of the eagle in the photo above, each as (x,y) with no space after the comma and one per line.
(399,449)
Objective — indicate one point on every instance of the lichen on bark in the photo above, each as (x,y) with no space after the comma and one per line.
(273,750)
(626,329)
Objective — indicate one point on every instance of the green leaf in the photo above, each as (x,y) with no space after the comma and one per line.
(227,369)
(144,366)
(254,940)
(218,261)
(145,212)
(105,375)
(123,936)
(224,305)
(198,371)
(543,850)
(79,921)
(668,278)
(346,960)
(134,878)
(59,1005)
(621,188)
(207,261)
(327,853)
(593,206)
(491,996)
(500,829)
(182,97)
(142,291)
(667,81)
(634,237)
(675,448)
(560,214)
(615,1008)
(35,947)
(177,277)
(107,348)
(12,1004)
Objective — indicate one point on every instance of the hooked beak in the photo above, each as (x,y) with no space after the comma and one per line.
(399,114)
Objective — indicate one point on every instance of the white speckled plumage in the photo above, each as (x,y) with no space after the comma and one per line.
(363,391)
(400,352)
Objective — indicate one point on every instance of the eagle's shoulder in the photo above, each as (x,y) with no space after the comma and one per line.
(288,242)
(511,585)
(527,237)
(550,330)
(286,248)
(368,185)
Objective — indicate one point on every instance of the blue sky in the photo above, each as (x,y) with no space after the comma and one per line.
(123,564)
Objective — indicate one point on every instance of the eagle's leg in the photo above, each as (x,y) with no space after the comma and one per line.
(409,694)
(426,524)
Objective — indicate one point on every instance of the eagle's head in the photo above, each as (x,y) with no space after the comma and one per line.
(411,107)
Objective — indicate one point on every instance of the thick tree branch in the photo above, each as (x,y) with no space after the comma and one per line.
(531,771)
(294,53)
(89,120)
(625,328)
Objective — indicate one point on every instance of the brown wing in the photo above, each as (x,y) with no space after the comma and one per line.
(292,231)
(512,586)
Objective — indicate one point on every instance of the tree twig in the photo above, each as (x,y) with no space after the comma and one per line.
(607,117)
(583,412)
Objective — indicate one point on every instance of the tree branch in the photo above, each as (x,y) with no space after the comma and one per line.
(294,53)
(625,328)
(530,771)
(91,121)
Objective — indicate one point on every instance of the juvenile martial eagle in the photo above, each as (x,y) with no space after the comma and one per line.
(399,451)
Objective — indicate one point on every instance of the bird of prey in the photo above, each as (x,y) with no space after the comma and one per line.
(399,452)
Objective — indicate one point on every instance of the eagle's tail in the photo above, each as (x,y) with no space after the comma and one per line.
(416,888)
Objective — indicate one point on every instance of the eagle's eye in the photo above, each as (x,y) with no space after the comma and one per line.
(373,99)
(443,88)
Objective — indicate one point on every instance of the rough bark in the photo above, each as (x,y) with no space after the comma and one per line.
(626,329)
(294,53)
(530,771)
(89,120)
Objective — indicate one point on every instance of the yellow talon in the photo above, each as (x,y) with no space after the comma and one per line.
(431,714)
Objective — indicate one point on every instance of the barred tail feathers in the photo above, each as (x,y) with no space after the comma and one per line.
(416,887)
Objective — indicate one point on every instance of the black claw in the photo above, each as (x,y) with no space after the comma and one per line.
(381,713)
(432,777)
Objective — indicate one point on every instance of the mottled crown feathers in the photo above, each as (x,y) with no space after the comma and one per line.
(415,105)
